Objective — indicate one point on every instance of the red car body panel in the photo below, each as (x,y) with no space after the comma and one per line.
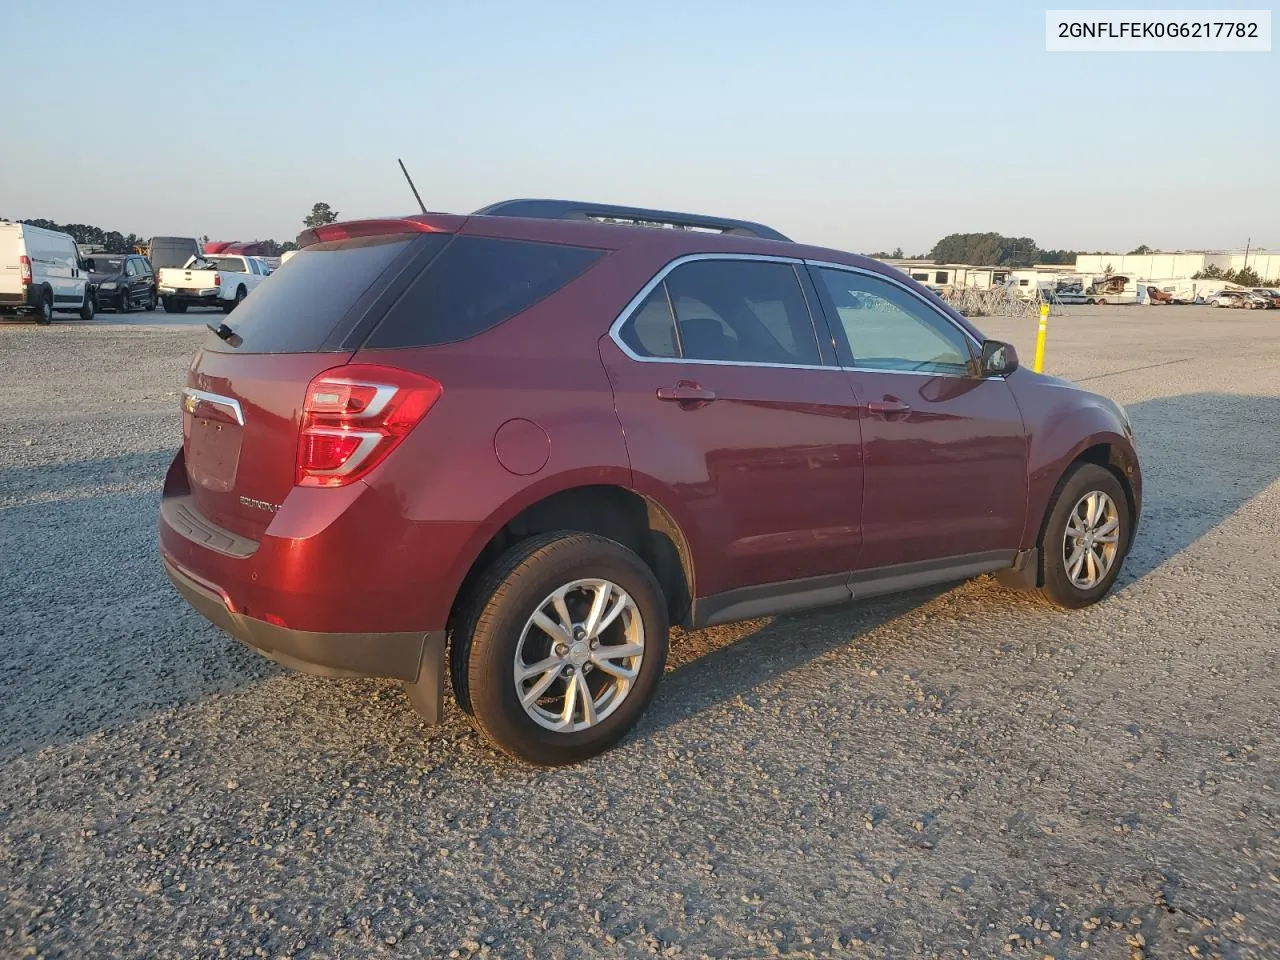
(766,480)
(945,477)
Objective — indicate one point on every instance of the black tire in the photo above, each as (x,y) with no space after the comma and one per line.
(173,306)
(152,301)
(88,308)
(1081,480)
(123,304)
(485,644)
(241,293)
(44,310)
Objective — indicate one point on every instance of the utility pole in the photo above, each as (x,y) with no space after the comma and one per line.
(1247,241)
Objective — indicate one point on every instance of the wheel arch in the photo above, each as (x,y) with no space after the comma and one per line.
(611,510)
(1112,454)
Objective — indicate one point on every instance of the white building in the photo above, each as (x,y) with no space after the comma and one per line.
(1178,266)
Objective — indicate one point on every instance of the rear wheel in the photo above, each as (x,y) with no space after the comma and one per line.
(1086,537)
(44,312)
(241,293)
(563,648)
(173,306)
(151,300)
(1101,301)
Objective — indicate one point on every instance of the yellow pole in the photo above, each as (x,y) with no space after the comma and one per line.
(1044,329)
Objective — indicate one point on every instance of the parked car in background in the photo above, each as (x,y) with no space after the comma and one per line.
(1075,297)
(41,273)
(542,438)
(210,281)
(1239,300)
(172,251)
(1271,297)
(123,281)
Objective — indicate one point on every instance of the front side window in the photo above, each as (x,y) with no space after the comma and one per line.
(735,311)
(888,328)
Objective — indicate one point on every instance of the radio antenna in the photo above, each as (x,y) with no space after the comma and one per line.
(411,186)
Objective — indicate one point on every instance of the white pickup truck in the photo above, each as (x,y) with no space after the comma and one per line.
(213,280)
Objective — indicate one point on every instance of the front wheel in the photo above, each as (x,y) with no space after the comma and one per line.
(87,309)
(123,304)
(563,648)
(1086,537)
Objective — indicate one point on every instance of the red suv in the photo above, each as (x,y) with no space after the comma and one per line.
(541,435)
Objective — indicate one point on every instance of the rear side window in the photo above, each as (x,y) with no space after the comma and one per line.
(736,311)
(308,297)
(475,284)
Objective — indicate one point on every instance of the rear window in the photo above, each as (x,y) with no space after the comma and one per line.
(475,284)
(302,303)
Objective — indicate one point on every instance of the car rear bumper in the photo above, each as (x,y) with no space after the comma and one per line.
(191,297)
(400,656)
(345,586)
(27,299)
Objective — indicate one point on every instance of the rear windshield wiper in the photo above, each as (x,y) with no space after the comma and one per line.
(224,332)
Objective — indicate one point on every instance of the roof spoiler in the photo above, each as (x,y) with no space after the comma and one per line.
(575,210)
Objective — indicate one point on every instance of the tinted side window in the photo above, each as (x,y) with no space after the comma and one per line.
(745,311)
(475,284)
(888,328)
(651,330)
(131,267)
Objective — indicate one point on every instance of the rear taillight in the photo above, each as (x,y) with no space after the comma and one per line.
(217,279)
(25,265)
(354,416)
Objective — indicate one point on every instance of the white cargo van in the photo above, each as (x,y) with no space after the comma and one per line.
(40,272)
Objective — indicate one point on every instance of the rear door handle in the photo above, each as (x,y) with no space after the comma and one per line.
(686,392)
(887,407)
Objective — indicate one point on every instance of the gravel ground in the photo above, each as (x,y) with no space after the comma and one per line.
(947,773)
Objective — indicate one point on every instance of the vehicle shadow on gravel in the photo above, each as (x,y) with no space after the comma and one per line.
(1203,456)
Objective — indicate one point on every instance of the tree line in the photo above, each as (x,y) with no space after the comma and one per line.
(113,241)
(996,250)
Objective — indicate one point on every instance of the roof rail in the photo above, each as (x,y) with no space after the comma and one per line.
(575,210)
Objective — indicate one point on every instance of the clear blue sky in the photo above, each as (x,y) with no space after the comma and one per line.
(853,124)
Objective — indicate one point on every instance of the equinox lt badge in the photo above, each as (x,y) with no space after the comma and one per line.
(259,504)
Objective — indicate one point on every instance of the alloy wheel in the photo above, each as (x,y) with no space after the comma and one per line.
(579,655)
(1092,540)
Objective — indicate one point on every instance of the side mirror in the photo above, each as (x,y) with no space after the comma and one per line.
(998,359)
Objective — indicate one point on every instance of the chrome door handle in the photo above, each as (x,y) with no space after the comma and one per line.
(686,391)
(887,407)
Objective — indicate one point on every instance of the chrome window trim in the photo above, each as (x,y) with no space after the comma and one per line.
(215,400)
(615,329)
